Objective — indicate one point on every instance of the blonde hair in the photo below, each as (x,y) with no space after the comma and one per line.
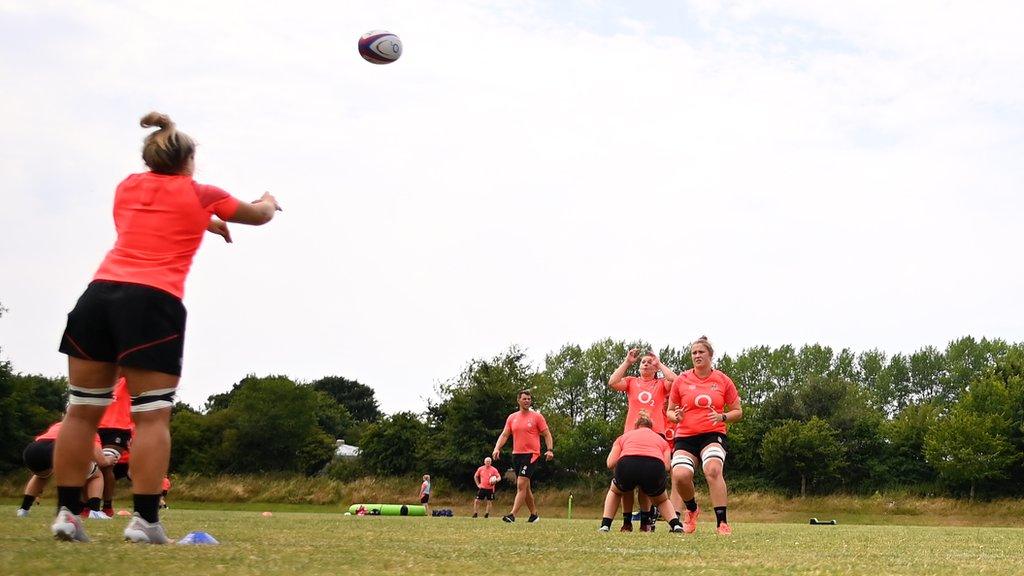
(166,151)
(703,340)
(643,420)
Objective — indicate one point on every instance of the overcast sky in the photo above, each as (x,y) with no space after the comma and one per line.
(528,173)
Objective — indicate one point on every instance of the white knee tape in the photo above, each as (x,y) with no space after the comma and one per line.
(153,400)
(90,396)
(113,453)
(682,460)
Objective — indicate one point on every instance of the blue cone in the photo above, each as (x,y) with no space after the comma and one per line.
(198,537)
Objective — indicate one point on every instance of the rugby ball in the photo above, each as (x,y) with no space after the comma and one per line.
(380,47)
(495,480)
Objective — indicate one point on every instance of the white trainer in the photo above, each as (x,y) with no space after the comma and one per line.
(97,515)
(143,532)
(66,526)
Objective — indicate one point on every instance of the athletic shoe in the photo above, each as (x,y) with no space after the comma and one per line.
(533,518)
(724,529)
(645,527)
(690,523)
(474,515)
(626,528)
(487,515)
(68,527)
(109,512)
(509,518)
(676,528)
(604,529)
(22,513)
(97,515)
(140,531)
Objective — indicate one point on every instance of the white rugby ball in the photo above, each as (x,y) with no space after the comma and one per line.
(380,47)
(495,480)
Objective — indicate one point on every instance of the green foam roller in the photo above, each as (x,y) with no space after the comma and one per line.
(390,509)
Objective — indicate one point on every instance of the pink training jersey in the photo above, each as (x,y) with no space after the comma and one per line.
(646,395)
(160,221)
(697,396)
(484,474)
(526,429)
(118,414)
(54,429)
(643,442)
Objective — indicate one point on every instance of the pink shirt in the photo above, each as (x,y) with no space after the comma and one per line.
(646,395)
(643,442)
(526,430)
(697,396)
(483,475)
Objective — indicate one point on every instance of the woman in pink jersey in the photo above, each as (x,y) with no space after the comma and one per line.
(702,401)
(645,393)
(131,319)
(639,458)
(526,427)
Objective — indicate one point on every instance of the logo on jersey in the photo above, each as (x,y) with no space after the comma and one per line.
(645,397)
(702,401)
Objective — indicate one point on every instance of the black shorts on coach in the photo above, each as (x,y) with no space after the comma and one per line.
(525,464)
(644,471)
(484,494)
(128,325)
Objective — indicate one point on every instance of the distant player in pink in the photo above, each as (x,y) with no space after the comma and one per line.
(485,488)
(646,393)
(38,457)
(639,459)
(526,427)
(116,430)
(131,321)
(703,400)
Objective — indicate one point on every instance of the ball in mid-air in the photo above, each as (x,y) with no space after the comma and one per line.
(495,480)
(380,47)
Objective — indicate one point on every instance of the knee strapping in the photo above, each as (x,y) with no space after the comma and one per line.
(90,396)
(712,453)
(153,400)
(682,460)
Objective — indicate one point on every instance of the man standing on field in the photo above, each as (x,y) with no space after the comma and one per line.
(485,488)
(525,426)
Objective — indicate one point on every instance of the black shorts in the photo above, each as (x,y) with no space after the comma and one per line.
(425,499)
(128,325)
(525,464)
(121,471)
(485,494)
(644,471)
(696,444)
(119,437)
(38,457)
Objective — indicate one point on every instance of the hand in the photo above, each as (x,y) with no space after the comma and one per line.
(715,417)
(496,454)
(549,455)
(632,356)
(676,415)
(219,228)
(268,197)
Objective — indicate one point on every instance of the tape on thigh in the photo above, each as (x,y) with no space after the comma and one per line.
(153,400)
(683,460)
(90,396)
(713,452)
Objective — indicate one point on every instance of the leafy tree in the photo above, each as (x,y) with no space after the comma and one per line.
(583,449)
(927,373)
(893,385)
(357,398)
(391,446)
(333,418)
(814,361)
(966,448)
(803,454)
(903,463)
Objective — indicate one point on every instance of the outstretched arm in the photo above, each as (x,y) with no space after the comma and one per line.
(615,382)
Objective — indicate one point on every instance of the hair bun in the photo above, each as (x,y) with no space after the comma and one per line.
(163,121)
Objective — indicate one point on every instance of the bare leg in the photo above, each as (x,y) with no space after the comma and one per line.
(682,480)
(35,486)
(94,486)
(716,483)
(151,447)
(531,505)
(522,487)
(665,507)
(476,505)
(611,502)
(72,453)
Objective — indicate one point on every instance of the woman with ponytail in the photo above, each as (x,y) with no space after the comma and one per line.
(130,320)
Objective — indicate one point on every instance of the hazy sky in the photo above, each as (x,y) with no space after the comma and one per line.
(529,173)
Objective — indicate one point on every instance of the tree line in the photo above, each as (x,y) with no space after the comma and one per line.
(815,420)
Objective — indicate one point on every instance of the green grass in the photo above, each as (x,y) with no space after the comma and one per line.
(317,543)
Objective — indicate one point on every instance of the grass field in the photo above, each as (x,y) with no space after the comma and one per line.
(319,543)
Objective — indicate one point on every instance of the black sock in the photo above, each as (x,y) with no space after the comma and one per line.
(70,497)
(691,504)
(94,504)
(645,518)
(108,503)
(679,515)
(627,518)
(654,512)
(27,501)
(147,506)
(606,522)
(674,522)
(720,514)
